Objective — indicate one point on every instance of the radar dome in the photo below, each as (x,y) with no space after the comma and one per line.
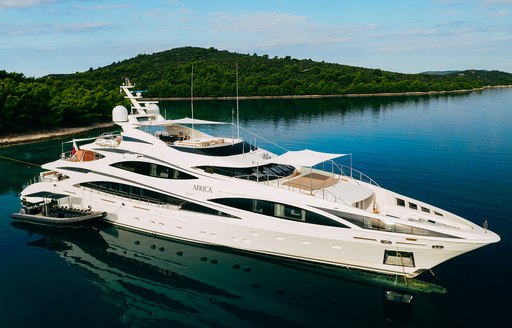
(119,114)
(153,109)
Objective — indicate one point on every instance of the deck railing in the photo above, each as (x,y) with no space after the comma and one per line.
(138,199)
(39,178)
(335,170)
(347,171)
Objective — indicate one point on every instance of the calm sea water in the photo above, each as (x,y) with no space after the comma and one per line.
(452,151)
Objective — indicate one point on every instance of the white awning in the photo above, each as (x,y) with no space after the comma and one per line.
(180,121)
(304,158)
(187,120)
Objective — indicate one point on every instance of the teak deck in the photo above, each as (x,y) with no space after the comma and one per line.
(311,181)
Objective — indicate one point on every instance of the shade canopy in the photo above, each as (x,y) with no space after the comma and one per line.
(187,120)
(304,158)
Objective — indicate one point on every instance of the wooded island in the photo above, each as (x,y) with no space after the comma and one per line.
(86,98)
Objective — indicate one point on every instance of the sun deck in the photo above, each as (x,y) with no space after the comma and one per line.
(311,181)
(203,142)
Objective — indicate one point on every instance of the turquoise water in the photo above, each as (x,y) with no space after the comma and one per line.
(452,151)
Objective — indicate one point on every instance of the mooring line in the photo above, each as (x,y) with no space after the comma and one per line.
(19,161)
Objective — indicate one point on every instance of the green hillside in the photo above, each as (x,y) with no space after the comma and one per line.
(87,97)
(167,74)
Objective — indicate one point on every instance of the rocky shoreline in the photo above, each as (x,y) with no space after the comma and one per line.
(36,136)
(351,95)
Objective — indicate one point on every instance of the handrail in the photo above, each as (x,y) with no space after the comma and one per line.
(362,177)
(112,134)
(326,194)
(141,200)
(331,194)
(337,170)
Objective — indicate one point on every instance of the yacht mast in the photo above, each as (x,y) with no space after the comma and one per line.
(192,98)
(237,108)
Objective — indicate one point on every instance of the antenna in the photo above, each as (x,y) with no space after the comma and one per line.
(192,98)
(237,108)
(232,126)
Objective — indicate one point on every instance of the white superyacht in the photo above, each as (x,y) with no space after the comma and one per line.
(167,178)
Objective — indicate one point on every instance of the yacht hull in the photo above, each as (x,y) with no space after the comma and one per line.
(364,250)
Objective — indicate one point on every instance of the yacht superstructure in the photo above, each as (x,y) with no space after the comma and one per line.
(167,178)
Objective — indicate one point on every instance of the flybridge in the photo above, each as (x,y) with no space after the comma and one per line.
(142,107)
(179,134)
(148,111)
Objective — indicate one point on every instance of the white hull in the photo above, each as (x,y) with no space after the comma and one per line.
(358,249)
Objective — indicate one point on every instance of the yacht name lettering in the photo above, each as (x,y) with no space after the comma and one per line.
(203,188)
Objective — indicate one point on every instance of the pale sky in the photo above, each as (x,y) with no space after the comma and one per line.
(40,37)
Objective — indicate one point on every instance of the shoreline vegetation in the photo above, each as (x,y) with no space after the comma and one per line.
(381,94)
(33,109)
(36,136)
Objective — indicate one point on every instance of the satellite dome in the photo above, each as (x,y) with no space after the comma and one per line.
(153,109)
(119,114)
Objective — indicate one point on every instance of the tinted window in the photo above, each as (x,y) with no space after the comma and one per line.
(279,210)
(255,173)
(151,196)
(153,170)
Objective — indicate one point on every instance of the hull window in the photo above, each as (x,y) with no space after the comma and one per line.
(150,196)
(153,170)
(278,210)
(289,212)
(377,224)
(405,259)
(256,173)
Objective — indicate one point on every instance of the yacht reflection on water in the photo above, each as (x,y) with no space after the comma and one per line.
(155,280)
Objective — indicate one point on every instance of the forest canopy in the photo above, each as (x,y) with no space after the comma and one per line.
(83,98)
